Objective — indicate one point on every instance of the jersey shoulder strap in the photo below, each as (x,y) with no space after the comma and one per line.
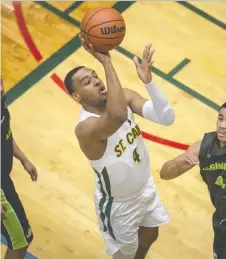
(207,144)
(84,115)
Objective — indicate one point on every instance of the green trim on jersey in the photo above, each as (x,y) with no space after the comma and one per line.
(13,226)
(106,181)
(100,183)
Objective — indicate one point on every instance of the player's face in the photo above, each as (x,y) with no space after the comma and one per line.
(221,126)
(90,88)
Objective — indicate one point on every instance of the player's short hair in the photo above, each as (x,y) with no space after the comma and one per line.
(68,78)
(223,106)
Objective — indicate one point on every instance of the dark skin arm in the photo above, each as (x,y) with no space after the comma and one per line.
(118,98)
(17,153)
(144,72)
(182,163)
(28,166)
(97,129)
(100,128)
(134,101)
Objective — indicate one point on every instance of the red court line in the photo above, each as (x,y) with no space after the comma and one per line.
(59,82)
(165,142)
(24,31)
(31,45)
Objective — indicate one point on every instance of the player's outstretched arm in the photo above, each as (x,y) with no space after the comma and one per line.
(158,108)
(100,128)
(182,163)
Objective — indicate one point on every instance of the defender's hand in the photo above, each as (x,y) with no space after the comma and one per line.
(192,159)
(3,211)
(30,168)
(103,58)
(144,69)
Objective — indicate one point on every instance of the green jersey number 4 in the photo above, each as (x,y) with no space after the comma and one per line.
(220,182)
(136,156)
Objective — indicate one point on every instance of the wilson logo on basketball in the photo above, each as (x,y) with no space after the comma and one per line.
(111,30)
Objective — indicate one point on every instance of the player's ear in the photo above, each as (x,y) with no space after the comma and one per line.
(76,97)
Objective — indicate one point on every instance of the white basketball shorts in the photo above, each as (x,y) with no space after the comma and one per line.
(119,220)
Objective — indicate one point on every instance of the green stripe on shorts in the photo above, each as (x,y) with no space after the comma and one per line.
(102,215)
(13,226)
(108,215)
(105,200)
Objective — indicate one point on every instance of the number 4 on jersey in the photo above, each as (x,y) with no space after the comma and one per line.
(136,156)
(220,182)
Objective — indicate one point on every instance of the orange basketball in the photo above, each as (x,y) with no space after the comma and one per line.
(104,28)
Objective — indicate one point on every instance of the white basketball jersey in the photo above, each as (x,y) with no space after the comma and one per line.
(124,168)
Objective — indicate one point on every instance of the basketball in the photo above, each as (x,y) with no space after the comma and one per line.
(104,28)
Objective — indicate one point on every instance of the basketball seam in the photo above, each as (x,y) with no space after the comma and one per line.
(105,23)
(93,15)
(102,37)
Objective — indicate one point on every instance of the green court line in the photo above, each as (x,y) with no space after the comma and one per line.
(72,7)
(58,13)
(73,45)
(181,65)
(119,6)
(122,6)
(203,14)
(43,69)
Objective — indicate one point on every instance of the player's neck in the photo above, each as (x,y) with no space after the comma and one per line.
(96,110)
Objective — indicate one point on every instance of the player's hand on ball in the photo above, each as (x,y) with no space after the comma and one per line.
(144,69)
(192,159)
(103,58)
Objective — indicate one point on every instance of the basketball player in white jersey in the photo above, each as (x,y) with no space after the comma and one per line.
(128,208)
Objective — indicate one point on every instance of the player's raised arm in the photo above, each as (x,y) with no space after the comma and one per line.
(115,106)
(158,108)
(182,163)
